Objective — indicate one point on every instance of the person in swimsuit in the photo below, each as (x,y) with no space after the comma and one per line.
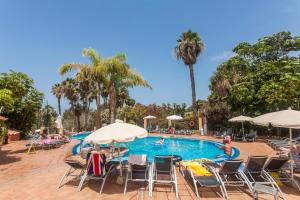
(161,141)
(226,147)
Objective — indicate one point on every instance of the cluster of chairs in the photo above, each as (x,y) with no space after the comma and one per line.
(177,132)
(52,141)
(259,174)
(279,144)
(139,169)
(251,136)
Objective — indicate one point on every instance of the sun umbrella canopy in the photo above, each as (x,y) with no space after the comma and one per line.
(284,119)
(116,132)
(174,117)
(150,117)
(58,122)
(240,118)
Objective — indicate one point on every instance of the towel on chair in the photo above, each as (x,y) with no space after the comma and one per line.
(138,159)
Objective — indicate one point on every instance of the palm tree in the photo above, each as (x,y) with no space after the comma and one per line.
(70,91)
(86,90)
(95,74)
(119,74)
(57,91)
(188,48)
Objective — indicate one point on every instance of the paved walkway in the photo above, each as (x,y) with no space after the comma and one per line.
(36,176)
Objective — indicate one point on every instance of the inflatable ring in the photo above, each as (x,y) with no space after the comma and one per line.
(192,123)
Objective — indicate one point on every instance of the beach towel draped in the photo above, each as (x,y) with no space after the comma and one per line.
(197,168)
(97,164)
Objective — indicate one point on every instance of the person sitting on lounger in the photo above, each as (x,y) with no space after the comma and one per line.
(161,141)
(226,147)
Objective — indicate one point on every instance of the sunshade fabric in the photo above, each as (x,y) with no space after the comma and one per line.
(174,117)
(116,132)
(240,118)
(284,119)
(150,117)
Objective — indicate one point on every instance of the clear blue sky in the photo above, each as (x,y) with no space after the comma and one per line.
(36,37)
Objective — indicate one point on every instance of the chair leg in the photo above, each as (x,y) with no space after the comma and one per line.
(83,177)
(296,183)
(125,187)
(225,191)
(102,185)
(64,176)
(175,182)
(196,189)
(104,180)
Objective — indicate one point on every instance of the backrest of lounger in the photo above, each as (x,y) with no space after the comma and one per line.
(74,164)
(275,164)
(137,159)
(230,166)
(255,163)
(163,163)
(138,163)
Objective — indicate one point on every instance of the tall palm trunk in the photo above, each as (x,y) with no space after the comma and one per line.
(78,122)
(77,113)
(98,105)
(112,102)
(59,106)
(86,113)
(193,91)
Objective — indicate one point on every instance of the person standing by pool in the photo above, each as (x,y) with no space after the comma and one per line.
(226,147)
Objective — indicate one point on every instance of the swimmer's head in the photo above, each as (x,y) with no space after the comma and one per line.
(227,140)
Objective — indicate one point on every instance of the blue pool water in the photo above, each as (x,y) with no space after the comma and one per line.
(186,148)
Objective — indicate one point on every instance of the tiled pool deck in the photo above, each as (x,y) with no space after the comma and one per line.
(36,176)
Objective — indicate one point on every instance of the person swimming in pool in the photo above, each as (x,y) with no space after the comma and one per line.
(226,147)
(160,141)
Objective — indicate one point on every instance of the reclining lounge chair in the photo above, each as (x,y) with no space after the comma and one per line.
(258,179)
(138,170)
(97,168)
(163,172)
(204,177)
(283,171)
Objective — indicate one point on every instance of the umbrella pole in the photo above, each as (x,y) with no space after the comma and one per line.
(121,173)
(291,148)
(243,131)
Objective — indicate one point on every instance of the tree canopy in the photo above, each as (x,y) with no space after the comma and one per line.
(21,101)
(259,78)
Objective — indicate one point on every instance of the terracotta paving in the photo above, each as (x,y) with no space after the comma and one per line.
(36,177)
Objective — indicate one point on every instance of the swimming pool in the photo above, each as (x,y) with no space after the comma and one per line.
(187,148)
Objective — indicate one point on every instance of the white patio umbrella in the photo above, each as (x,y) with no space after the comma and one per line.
(174,118)
(116,133)
(58,122)
(149,117)
(241,119)
(283,119)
